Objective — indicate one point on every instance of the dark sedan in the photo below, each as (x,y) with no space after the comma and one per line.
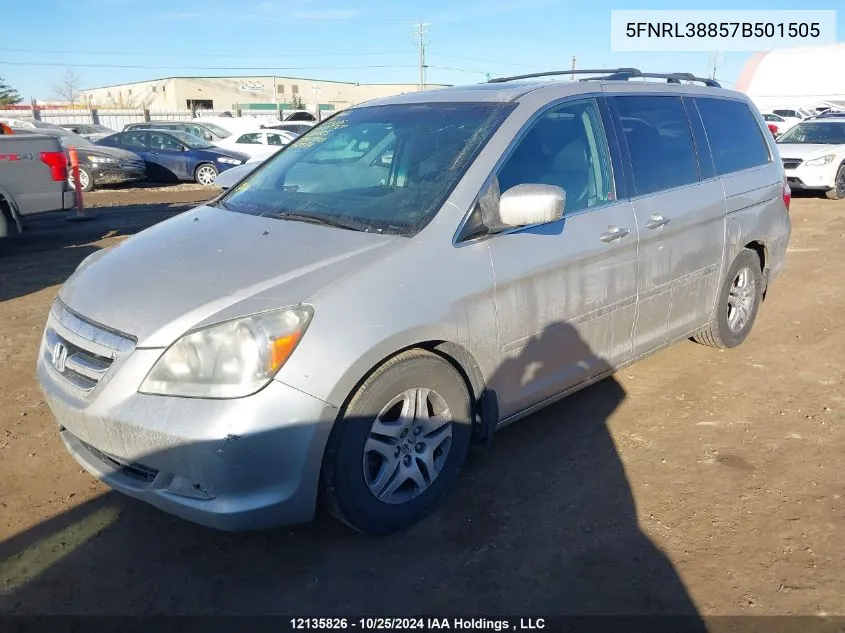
(97,165)
(170,155)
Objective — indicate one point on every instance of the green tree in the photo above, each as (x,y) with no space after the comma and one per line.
(296,103)
(8,95)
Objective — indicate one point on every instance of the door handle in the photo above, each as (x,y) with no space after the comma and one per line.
(613,233)
(155,152)
(656,221)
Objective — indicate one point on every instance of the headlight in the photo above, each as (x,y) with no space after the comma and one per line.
(818,162)
(101,159)
(229,161)
(231,359)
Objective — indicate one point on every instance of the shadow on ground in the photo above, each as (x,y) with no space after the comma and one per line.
(542,523)
(51,246)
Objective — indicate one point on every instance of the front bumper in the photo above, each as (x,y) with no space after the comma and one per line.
(247,463)
(812,178)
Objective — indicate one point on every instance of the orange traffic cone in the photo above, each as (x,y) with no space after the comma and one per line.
(81,214)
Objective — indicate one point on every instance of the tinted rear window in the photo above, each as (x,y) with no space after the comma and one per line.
(659,142)
(735,137)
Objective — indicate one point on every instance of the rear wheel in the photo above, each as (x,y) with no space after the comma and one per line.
(205,174)
(398,448)
(738,302)
(838,191)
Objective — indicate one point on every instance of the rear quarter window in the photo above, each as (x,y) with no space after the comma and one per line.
(735,137)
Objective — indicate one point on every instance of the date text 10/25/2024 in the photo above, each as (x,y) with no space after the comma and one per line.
(419,624)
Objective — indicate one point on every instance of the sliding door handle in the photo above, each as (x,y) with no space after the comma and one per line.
(656,221)
(614,233)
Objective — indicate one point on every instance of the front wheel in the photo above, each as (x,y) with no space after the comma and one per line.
(738,302)
(206,174)
(838,191)
(397,449)
(86,180)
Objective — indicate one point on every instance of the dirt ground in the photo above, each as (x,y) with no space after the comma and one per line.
(695,481)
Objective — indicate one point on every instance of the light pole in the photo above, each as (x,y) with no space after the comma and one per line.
(317,92)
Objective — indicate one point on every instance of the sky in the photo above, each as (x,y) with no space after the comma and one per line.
(108,42)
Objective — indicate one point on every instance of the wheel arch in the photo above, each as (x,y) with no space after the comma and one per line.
(8,213)
(455,354)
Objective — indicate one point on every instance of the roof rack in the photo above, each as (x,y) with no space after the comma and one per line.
(615,74)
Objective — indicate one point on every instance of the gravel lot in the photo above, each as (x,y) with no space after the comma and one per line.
(695,481)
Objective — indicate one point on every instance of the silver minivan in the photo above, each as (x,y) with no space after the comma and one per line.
(402,280)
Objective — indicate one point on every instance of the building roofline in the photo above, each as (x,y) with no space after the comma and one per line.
(329,81)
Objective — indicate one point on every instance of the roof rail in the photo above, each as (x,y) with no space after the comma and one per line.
(616,74)
(498,80)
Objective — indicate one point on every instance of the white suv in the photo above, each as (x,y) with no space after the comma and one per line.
(813,154)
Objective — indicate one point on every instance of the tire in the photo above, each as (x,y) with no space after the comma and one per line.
(838,191)
(205,174)
(354,474)
(85,177)
(732,325)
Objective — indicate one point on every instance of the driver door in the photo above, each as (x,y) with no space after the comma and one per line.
(170,155)
(565,291)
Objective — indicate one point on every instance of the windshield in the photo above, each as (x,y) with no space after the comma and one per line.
(217,130)
(101,129)
(382,168)
(191,140)
(823,133)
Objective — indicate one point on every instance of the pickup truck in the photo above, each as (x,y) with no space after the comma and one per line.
(33,178)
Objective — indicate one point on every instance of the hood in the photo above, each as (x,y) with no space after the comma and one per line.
(229,177)
(225,151)
(208,265)
(806,151)
(110,152)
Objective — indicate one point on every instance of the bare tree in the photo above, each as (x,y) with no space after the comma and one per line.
(68,87)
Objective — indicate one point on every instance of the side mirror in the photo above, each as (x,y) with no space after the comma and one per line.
(207,136)
(524,205)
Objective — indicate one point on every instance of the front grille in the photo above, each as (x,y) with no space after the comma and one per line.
(791,163)
(139,472)
(79,351)
(132,165)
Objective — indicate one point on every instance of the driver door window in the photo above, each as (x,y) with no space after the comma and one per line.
(161,141)
(566,147)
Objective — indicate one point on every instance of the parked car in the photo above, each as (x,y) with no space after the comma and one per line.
(33,178)
(814,156)
(208,131)
(259,143)
(299,128)
(794,115)
(777,124)
(97,165)
(345,327)
(230,177)
(174,155)
(300,115)
(91,131)
(27,122)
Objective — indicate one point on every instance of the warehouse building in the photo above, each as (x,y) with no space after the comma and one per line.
(245,93)
(799,77)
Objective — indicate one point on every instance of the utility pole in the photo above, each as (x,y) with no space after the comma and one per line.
(714,62)
(419,39)
(572,67)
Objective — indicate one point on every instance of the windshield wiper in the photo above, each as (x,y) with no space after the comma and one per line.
(319,219)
